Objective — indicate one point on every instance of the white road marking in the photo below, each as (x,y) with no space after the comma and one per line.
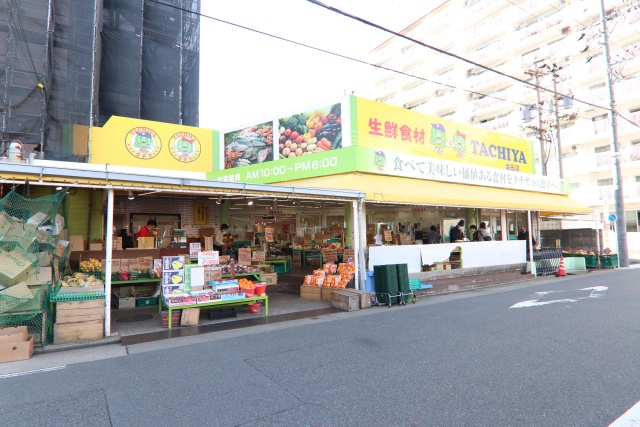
(596,292)
(631,418)
(35,371)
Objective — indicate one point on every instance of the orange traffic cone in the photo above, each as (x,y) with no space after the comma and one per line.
(561,270)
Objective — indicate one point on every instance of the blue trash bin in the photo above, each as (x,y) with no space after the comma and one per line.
(370,283)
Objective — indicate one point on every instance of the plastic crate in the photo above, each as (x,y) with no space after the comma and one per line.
(609,261)
(57,296)
(414,284)
(591,261)
(146,301)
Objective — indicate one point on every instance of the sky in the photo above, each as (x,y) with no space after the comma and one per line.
(247,77)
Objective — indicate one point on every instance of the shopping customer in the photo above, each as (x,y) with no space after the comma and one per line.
(433,236)
(457,233)
(483,233)
(218,240)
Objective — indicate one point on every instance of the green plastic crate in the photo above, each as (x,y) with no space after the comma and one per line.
(146,301)
(609,261)
(591,261)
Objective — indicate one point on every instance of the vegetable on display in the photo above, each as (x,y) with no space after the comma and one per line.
(308,133)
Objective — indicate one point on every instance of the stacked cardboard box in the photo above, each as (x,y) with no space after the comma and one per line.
(79,321)
(15,344)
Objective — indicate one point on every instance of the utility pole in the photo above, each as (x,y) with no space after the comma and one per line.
(621,223)
(544,157)
(555,108)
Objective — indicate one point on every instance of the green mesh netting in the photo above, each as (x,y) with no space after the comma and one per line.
(34,247)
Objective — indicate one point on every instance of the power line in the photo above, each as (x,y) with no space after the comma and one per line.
(336,54)
(418,42)
(381,66)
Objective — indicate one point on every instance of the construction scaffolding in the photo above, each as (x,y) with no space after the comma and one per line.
(68,65)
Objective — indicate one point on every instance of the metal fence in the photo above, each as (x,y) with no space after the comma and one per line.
(547,261)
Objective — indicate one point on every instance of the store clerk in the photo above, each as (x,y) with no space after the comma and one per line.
(218,240)
(147,231)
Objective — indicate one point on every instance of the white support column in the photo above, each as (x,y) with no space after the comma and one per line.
(529,243)
(355,217)
(107,268)
(362,242)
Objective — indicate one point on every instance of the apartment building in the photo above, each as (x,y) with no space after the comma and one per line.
(545,39)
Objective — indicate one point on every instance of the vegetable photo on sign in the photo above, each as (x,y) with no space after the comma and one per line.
(248,146)
(311,132)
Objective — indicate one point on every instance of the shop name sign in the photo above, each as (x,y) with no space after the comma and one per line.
(386,127)
(412,166)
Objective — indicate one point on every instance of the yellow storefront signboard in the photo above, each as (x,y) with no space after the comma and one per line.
(142,143)
(382,126)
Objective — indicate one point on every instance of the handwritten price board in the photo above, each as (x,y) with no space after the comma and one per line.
(268,234)
(349,254)
(244,256)
(387,236)
(330,255)
(297,258)
(259,256)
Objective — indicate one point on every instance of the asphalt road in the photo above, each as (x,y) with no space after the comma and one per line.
(549,353)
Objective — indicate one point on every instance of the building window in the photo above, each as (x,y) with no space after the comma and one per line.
(574,185)
(605,182)
(602,149)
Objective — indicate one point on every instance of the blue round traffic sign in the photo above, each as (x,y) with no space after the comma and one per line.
(612,217)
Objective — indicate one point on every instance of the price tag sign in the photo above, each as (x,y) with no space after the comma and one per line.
(259,256)
(387,236)
(244,256)
(297,258)
(208,258)
(349,254)
(330,255)
(268,234)
(194,248)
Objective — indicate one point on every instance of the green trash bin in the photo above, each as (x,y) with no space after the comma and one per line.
(386,283)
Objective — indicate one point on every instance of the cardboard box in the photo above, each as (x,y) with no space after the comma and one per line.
(146,242)
(173,277)
(269,278)
(211,274)
(117,243)
(76,243)
(124,301)
(172,263)
(95,246)
(17,334)
(346,301)
(10,352)
(310,292)
(16,267)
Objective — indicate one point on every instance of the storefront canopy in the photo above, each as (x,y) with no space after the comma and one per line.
(69,174)
(397,190)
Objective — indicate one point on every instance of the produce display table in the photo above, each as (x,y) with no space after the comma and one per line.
(309,254)
(255,275)
(281,265)
(211,304)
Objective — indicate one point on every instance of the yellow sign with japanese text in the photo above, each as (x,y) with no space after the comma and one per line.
(143,143)
(385,127)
